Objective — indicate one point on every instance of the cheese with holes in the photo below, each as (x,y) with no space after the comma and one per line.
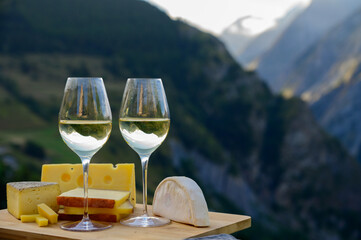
(101,176)
(181,199)
(125,208)
(97,198)
(24,197)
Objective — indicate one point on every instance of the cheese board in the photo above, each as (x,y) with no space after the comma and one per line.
(12,228)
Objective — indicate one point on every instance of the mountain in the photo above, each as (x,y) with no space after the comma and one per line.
(251,152)
(328,77)
(236,37)
(318,19)
(246,47)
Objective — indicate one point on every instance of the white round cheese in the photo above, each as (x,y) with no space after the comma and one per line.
(181,199)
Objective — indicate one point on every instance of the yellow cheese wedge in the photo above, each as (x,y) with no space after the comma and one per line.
(29,218)
(101,176)
(42,221)
(125,208)
(96,198)
(23,197)
(181,199)
(45,211)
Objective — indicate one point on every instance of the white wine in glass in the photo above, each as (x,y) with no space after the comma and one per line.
(85,123)
(144,123)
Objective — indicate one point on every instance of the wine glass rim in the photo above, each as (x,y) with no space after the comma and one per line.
(146,79)
(84,78)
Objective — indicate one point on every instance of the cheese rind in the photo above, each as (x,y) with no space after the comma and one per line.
(95,217)
(23,197)
(45,211)
(29,218)
(97,198)
(125,208)
(42,221)
(181,199)
(101,176)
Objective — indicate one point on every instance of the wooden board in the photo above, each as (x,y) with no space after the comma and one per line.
(12,228)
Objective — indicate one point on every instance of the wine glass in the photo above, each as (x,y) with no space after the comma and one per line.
(144,123)
(85,123)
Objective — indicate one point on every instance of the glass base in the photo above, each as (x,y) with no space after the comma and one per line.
(145,221)
(85,225)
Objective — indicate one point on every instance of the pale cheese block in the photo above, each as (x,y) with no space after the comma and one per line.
(97,198)
(181,199)
(101,176)
(23,197)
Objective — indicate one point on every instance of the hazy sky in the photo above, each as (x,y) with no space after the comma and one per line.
(215,15)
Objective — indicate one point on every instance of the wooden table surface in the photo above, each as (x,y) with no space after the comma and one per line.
(12,228)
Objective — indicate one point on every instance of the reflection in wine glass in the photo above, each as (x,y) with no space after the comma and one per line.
(85,123)
(144,123)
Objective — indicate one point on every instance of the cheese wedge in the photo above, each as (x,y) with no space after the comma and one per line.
(101,176)
(23,197)
(95,217)
(97,198)
(181,199)
(125,208)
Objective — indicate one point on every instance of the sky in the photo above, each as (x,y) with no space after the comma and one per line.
(215,15)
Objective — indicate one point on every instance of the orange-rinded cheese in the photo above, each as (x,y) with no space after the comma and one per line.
(101,176)
(95,217)
(97,198)
(125,208)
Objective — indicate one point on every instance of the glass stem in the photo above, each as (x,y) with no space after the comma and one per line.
(144,160)
(85,161)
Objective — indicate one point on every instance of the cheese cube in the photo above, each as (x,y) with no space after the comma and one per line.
(23,197)
(97,198)
(41,221)
(101,176)
(45,211)
(28,218)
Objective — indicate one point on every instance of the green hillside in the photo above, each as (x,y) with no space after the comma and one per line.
(250,151)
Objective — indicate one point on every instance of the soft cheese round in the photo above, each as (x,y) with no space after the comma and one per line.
(181,199)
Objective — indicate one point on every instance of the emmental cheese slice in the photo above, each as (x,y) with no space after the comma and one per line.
(101,176)
(181,199)
(97,198)
(23,197)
